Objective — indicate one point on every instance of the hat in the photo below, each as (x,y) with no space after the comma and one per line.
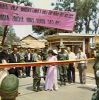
(62,46)
(97,45)
(55,52)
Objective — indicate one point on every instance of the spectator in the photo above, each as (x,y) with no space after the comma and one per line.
(14,57)
(51,77)
(82,65)
(71,67)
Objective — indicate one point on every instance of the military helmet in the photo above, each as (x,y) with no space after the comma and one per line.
(9,84)
(62,46)
(97,45)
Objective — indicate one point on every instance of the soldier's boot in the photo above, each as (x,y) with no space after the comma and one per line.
(38,85)
(61,80)
(34,84)
(64,78)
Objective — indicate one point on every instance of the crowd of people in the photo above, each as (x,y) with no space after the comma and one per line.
(52,74)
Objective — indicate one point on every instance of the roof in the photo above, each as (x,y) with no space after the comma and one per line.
(29,36)
(65,35)
(75,34)
(31,42)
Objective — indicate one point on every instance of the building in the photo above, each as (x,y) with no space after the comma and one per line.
(72,40)
(31,42)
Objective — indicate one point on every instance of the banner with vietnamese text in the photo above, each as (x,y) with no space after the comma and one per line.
(11,14)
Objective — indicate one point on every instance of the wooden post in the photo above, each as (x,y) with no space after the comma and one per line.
(4,35)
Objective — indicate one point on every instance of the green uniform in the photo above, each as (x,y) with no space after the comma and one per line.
(63,68)
(95,96)
(96,67)
(36,74)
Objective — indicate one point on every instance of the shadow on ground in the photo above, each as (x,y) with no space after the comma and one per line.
(86,88)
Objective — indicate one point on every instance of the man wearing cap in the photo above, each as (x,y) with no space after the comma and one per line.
(63,55)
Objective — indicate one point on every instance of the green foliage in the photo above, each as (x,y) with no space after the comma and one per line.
(86,11)
(11,36)
(39,29)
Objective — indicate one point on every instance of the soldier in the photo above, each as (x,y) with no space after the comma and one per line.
(63,55)
(44,58)
(22,70)
(95,96)
(36,72)
(9,87)
(96,65)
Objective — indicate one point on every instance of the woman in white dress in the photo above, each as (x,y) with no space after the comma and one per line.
(51,77)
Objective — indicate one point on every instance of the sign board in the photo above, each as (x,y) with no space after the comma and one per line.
(11,14)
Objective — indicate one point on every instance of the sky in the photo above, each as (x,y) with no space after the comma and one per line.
(23,30)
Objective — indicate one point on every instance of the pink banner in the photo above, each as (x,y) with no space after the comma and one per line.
(11,14)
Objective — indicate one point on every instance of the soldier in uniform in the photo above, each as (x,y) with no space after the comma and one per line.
(44,58)
(36,72)
(63,55)
(96,65)
(22,70)
(95,96)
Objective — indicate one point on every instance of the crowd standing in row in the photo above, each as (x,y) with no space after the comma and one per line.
(50,73)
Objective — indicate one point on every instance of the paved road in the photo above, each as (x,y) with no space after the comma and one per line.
(73,91)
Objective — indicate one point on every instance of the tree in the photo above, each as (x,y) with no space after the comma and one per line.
(11,36)
(25,2)
(85,13)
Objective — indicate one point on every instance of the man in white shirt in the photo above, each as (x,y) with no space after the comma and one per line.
(82,66)
(71,67)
